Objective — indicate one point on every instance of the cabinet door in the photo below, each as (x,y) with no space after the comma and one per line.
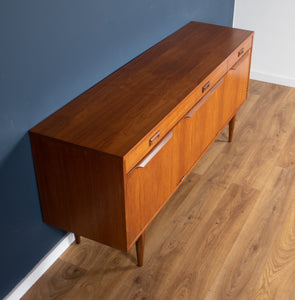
(149,186)
(199,128)
(155,178)
(236,86)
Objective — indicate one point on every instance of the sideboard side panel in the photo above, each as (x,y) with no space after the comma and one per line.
(81,190)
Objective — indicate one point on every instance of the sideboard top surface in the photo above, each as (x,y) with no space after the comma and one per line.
(119,111)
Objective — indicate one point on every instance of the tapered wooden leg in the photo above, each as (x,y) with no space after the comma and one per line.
(140,249)
(77,238)
(231,128)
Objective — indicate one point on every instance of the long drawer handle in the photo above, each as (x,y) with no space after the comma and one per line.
(155,151)
(204,99)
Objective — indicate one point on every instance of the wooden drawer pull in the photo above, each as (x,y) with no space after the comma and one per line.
(154,138)
(204,99)
(149,157)
(205,87)
(241,52)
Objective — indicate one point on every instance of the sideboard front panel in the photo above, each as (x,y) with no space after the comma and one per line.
(150,185)
(199,127)
(236,86)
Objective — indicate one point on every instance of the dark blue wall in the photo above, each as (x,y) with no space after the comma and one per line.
(50,52)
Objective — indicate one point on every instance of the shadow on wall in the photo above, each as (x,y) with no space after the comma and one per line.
(21,218)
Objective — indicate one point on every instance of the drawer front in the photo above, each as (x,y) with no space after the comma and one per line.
(240,52)
(154,137)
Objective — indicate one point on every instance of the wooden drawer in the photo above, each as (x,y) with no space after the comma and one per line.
(155,136)
(240,52)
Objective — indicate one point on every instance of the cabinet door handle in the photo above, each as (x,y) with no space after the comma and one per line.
(149,157)
(204,99)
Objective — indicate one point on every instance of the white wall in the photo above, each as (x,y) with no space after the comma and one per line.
(273,21)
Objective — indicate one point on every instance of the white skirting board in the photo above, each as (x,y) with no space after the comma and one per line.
(272,78)
(45,263)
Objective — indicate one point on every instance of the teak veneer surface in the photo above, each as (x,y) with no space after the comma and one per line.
(103,118)
(107,162)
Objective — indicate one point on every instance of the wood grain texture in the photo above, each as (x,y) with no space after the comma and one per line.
(278,275)
(81,191)
(104,118)
(150,187)
(61,282)
(246,259)
(236,85)
(221,236)
(107,162)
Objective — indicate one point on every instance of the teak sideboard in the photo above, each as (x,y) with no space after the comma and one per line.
(108,161)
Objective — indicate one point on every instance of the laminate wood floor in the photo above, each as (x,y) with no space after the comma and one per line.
(227,233)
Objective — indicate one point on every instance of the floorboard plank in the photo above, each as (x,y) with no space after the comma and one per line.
(278,276)
(245,261)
